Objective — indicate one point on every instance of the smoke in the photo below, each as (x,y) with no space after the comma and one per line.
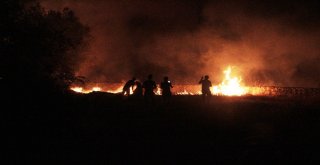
(267,42)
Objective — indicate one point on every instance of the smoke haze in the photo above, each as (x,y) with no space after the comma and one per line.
(267,42)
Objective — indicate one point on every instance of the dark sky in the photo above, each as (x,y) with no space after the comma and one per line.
(267,42)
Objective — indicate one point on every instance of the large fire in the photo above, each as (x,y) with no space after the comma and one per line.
(230,86)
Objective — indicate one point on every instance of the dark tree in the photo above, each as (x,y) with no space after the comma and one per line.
(40,50)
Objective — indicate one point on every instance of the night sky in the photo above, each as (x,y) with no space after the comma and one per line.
(267,42)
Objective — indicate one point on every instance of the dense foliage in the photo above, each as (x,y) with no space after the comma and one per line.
(39,49)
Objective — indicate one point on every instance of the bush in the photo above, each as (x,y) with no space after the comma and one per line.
(40,50)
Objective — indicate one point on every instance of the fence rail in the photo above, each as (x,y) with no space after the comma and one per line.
(284,91)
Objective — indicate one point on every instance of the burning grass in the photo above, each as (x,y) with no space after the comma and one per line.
(231,85)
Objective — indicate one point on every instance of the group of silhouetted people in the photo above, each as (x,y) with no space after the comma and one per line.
(150,86)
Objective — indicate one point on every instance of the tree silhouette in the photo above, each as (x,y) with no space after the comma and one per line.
(40,50)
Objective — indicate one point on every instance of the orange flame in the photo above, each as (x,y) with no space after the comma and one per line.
(77,89)
(230,86)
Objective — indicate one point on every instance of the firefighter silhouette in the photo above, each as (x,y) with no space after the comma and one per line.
(166,86)
(205,87)
(129,84)
(149,86)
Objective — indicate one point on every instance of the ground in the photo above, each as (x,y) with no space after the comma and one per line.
(102,128)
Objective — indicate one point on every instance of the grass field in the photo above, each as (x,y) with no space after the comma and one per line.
(102,128)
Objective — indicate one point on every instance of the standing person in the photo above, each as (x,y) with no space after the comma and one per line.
(129,84)
(166,89)
(205,87)
(149,86)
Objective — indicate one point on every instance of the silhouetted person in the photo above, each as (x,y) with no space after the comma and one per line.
(138,92)
(129,84)
(149,86)
(205,87)
(166,89)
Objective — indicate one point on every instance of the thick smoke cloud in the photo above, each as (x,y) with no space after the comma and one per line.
(268,42)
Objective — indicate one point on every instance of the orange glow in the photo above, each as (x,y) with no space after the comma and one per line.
(96,89)
(82,90)
(158,91)
(118,90)
(113,88)
(184,92)
(230,86)
(109,88)
(77,89)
